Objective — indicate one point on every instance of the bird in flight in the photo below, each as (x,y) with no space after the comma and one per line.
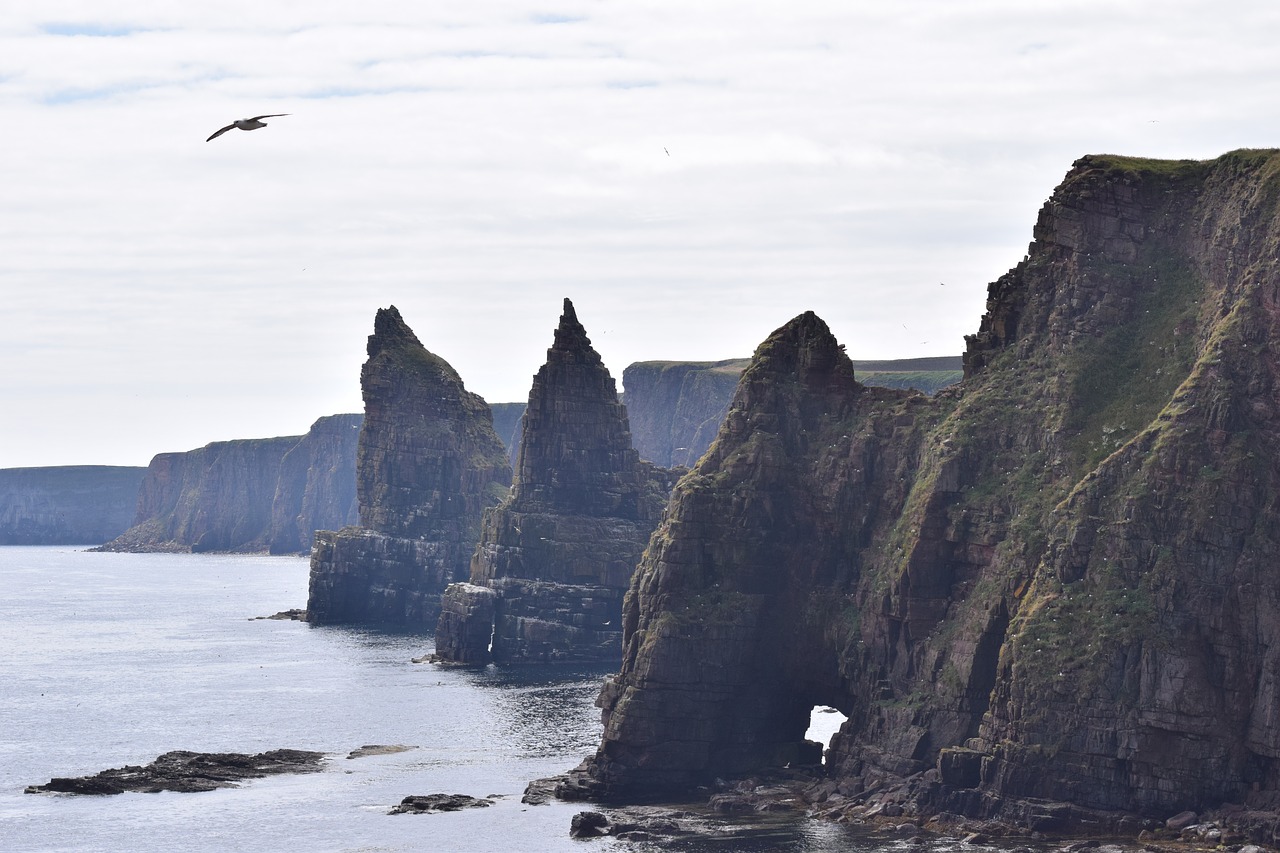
(246,124)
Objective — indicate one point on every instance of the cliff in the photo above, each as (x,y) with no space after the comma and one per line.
(506,423)
(677,407)
(556,557)
(67,505)
(316,487)
(1047,594)
(247,495)
(428,464)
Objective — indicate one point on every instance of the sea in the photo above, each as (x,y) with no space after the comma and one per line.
(109,660)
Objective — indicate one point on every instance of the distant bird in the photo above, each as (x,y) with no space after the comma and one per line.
(668,152)
(246,124)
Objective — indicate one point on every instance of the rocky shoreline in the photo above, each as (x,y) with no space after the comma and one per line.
(894,811)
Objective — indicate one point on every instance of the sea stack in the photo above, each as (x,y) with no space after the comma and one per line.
(428,464)
(1047,595)
(555,558)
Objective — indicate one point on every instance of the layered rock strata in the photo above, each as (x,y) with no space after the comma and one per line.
(247,495)
(316,488)
(67,505)
(428,464)
(1047,592)
(555,558)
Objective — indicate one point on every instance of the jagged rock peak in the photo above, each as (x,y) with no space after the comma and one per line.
(805,349)
(389,328)
(571,342)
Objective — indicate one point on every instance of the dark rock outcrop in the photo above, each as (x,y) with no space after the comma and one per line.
(247,495)
(187,772)
(428,465)
(67,505)
(555,558)
(1048,594)
(432,803)
(676,407)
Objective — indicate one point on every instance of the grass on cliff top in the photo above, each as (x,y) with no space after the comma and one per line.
(1123,379)
(926,381)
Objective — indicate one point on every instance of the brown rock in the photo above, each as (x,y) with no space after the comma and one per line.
(556,557)
(428,465)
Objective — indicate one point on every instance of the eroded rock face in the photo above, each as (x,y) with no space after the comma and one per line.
(676,407)
(1055,582)
(428,465)
(247,495)
(316,489)
(67,505)
(555,559)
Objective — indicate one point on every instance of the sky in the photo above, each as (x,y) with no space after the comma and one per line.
(691,174)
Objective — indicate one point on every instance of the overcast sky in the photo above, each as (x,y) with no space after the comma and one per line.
(691,174)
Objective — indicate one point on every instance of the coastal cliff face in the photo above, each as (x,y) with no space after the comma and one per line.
(1046,593)
(677,407)
(215,498)
(67,505)
(248,495)
(316,488)
(428,465)
(556,557)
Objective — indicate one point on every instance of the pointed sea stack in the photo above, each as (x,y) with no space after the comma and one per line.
(427,466)
(555,559)
(1047,595)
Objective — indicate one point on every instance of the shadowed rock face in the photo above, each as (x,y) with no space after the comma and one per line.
(1056,581)
(67,505)
(555,559)
(428,464)
(247,495)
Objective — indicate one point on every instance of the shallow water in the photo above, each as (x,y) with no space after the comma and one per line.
(113,659)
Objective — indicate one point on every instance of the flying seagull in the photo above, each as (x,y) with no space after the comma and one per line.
(246,124)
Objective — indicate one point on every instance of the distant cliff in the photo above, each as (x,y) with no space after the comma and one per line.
(428,464)
(68,505)
(247,495)
(677,407)
(1048,594)
(506,423)
(316,488)
(555,558)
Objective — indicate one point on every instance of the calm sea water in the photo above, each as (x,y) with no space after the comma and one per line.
(113,659)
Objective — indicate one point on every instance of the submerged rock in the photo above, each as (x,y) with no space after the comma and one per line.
(187,772)
(430,803)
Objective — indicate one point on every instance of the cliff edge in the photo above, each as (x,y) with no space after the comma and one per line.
(1045,594)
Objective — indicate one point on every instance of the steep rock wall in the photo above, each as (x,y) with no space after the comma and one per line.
(1053,583)
(428,464)
(316,488)
(247,495)
(67,505)
(215,498)
(555,558)
(676,407)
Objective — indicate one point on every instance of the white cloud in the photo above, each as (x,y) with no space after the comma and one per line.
(474,163)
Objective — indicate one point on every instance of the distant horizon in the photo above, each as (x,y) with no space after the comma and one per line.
(859,364)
